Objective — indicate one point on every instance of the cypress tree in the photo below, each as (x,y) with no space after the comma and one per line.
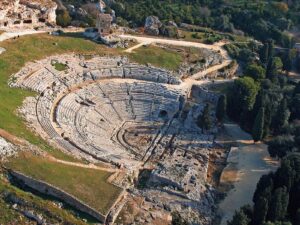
(264,53)
(278,205)
(260,211)
(282,116)
(258,127)
(270,49)
(221,108)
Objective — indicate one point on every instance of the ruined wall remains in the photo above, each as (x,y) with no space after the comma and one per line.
(27,13)
(48,189)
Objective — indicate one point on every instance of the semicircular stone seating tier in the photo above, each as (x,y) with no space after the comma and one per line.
(83,106)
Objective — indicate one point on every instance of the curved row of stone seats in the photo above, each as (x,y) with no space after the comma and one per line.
(39,80)
(102,62)
(67,109)
(149,74)
(107,111)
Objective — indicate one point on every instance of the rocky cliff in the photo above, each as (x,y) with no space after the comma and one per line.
(27,13)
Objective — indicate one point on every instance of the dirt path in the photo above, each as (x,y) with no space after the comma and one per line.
(246,163)
(215,47)
(25,144)
(8,35)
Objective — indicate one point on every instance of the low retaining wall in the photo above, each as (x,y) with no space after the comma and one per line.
(48,189)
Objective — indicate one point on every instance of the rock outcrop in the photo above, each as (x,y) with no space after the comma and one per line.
(152,25)
(27,13)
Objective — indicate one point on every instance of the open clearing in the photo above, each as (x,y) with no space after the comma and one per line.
(246,164)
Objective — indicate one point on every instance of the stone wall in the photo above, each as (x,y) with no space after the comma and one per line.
(49,189)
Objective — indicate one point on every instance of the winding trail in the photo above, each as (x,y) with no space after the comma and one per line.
(218,47)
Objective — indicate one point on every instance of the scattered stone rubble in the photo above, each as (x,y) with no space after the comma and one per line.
(7,149)
(133,116)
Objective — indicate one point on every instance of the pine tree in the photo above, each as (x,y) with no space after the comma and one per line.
(221,108)
(258,128)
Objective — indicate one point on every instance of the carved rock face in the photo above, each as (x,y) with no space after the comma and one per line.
(27,13)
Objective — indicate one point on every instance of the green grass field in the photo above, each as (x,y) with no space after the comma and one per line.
(88,185)
(10,216)
(157,56)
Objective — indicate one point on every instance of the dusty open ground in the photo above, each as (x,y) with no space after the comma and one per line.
(246,163)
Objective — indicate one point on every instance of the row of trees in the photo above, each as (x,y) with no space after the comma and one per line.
(264,101)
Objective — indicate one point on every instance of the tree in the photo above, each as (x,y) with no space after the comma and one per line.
(239,218)
(258,127)
(280,146)
(204,120)
(297,220)
(297,89)
(278,205)
(221,108)
(63,18)
(264,187)
(255,71)
(295,107)
(260,210)
(288,60)
(281,117)
(270,49)
(242,96)
(274,66)
(264,53)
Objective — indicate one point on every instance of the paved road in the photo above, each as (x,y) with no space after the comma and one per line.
(246,164)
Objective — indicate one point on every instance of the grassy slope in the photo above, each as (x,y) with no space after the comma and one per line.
(10,216)
(88,185)
(157,57)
